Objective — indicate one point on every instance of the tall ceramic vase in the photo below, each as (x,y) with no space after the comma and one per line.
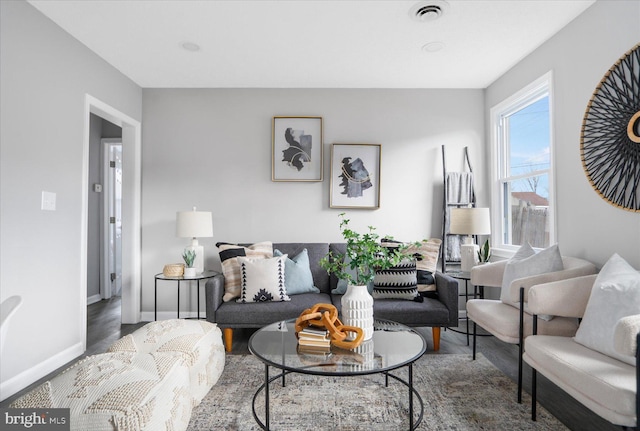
(357,309)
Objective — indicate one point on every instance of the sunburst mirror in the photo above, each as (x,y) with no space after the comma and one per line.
(610,139)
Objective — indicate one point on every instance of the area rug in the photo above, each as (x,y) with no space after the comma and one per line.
(458,394)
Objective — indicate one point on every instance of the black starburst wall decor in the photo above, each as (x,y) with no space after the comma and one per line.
(610,138)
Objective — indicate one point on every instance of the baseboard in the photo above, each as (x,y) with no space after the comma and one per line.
(33,374)
(93,299)
(148,316)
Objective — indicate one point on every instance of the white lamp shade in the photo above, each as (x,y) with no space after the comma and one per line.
(470,221)
(194,224)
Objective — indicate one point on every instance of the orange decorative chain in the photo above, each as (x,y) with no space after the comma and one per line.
(326,316)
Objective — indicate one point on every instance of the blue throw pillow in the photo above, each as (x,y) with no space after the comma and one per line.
(297,274)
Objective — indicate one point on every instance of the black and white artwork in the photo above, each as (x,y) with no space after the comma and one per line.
(297,149)
(355,176)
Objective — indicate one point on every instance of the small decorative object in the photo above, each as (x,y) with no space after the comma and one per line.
(195,224)
(355,176)
(296,145)
(364,255)
(189,257)
(484,254)
(325,316)
(173,270)
(610,138)
(469,221)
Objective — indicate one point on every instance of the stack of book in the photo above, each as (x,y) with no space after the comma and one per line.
(314,339)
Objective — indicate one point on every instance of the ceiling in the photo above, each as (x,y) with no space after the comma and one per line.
(311,43)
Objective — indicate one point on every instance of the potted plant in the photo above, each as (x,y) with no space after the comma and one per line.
(364,254)
(484,253)
(189,257)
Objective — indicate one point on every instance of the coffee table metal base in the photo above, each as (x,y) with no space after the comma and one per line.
(267,380)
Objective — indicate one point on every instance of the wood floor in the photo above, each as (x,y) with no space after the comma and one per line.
(104,328)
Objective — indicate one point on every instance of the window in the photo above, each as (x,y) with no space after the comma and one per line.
(522,186)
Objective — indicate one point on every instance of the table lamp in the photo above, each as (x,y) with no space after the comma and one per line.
(195,224)
(469,221)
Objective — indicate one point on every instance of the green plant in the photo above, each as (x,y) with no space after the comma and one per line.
(484,253)
(365,254)
(189,257)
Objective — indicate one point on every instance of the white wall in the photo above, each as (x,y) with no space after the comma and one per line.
(579,55)
(212,149)
(44,75)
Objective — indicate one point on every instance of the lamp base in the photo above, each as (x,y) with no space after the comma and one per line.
(469,256)
(198,262)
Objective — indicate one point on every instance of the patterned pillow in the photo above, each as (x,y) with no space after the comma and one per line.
(397,282)
(426,253)
(262,279)
(229,254)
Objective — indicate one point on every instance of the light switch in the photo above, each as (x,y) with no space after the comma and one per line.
(48,201)
(97,188)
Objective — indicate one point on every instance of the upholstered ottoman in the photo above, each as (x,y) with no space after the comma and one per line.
(119,391)
(198,341)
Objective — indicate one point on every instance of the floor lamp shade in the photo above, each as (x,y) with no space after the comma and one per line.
(195,224)
(469,221)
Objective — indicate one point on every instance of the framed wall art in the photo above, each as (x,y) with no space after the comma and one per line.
(355,176)
(610,136)
(296,144)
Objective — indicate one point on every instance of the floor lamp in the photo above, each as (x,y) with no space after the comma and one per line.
(469,222)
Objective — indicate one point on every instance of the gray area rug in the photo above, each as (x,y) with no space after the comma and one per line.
(458,394)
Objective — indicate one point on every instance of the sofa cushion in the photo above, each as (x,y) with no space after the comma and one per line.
(523,264)
(229,254)
(121,391)
(262,279)
(298,278)
(603,384)
(615,294)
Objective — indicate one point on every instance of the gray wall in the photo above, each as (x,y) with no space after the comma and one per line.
(44,75)
(579,55)
(212,149)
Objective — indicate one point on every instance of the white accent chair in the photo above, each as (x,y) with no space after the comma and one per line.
(7,309)
(607,386)
(511,323)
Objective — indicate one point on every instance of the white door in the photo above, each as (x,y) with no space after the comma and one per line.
(111,269)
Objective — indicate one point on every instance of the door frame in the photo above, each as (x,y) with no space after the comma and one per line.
(131,202)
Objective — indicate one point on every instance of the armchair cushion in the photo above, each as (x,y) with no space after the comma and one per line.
(545,261)
(615,294)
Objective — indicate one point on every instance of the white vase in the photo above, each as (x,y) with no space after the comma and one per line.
(357,309)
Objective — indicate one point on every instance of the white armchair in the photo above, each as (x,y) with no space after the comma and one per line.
(507,320)
(604,384)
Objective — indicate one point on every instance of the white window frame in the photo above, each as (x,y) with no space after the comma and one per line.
(529,94)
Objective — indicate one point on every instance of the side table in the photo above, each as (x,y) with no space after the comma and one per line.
(205,275)
(466,276)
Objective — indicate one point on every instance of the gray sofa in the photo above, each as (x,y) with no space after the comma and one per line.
(432,312)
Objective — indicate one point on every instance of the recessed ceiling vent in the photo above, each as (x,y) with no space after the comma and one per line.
(428,10)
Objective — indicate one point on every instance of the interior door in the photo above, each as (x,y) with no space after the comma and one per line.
(112,219)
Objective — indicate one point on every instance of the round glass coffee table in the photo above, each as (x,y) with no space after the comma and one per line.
(393,346)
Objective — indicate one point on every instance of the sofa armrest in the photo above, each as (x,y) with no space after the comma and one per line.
(489,274)
(625,335)
(578,268)
(214,290)
(447,288)
(566,298)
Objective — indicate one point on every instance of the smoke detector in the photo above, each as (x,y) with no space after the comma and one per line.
(428,10)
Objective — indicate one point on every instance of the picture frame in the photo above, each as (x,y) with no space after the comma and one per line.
(355,176)
(296,149)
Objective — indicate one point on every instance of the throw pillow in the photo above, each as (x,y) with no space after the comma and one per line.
(427,254)
(397,282)
(615,294)
(263,279)
(526,263)
(298,278)
(229,254)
